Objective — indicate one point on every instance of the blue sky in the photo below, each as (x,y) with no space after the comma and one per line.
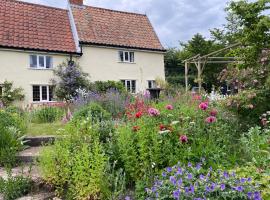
(173,20)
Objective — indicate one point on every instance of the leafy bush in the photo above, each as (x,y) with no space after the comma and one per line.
(10,94)
(14,187)
(93,111)
(47,114)
(192,182)
(76,164)
(12,119)
(104,86)
(256,146)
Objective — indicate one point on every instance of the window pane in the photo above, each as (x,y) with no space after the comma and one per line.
(133,89)
(41,61)
(44,93)
(51,93)
(126,56)
(1,90)
(33,61)
(36,93)
(131,55)
(128,86)
(150,84)
(48,62)
(121,56)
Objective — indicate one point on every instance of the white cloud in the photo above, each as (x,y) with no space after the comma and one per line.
(174,20)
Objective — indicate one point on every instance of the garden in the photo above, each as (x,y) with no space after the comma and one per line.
(108,144)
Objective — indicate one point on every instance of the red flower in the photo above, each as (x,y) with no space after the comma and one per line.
(203,106)
(183,139)
(139,115)
(214,112)
(136,128)
(162,127)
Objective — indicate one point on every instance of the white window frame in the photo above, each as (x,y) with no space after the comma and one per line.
(40,93)
(45,62)
(124,57)
(153,83)
(130,88)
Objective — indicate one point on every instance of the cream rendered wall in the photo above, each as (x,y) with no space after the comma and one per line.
(15,66)
(103,64)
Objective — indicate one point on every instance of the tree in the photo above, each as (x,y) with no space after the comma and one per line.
(70,79)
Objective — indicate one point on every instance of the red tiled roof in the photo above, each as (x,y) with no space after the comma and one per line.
(114,28)
(32,26)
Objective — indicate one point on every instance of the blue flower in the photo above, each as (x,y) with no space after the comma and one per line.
(202,177)
(213,186)
(222,187)
(173,180)
(226,174)
(189,176)
(169,169)
(189,164)
(176,194)
(242,180)
(164,174)
(249,179)
(179,171)
(207,189)
(249,195)
(180,182)
(198,167)
(127,198)
(239,188)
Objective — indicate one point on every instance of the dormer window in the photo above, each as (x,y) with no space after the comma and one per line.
(126,56)
(41,62)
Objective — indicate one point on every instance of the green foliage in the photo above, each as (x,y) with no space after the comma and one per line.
(14,187)
(47,114)
(256,147)
(93,111)
(104,86)
(10,94)
(76,164)
(70,79)
(9,145)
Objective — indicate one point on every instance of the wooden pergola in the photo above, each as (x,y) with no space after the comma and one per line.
(201,61)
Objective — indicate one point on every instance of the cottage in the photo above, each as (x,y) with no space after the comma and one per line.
(108,44)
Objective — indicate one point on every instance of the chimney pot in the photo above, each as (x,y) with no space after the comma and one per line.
(76,2)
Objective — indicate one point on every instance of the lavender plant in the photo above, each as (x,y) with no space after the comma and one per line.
(193,182)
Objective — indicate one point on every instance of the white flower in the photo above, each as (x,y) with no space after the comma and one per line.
(153,165)
(163,132)
(192,123)
(175,122)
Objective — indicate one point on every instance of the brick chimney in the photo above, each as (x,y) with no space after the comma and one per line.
(76,2)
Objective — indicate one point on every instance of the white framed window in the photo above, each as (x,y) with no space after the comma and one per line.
(151,84)
(130,85)
(42,93)
(126,56)
(41,62)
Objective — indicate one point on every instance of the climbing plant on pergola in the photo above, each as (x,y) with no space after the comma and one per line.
(201,62)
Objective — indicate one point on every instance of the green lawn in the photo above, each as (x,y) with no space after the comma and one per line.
(35,129)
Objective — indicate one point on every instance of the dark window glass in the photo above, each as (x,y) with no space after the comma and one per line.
(44,93)
(1,90)
(133,86)
(41,61)
(121,56)
(150,84)
(51,88)
(36,93)
(128,86)
(127,56)
(131,56)
(33,61)
(48,62)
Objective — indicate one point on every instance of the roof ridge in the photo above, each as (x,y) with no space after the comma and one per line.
(112,10)
(35,4)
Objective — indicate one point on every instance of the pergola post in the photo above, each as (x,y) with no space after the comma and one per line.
(199,75)
(186,76)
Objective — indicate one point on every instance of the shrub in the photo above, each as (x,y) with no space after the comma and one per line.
(93,111)
(76,164)
(10,94)
(192,182)
(104,86)
(47,114)
(9,145)
(12,119)
(14,187)
(256,148)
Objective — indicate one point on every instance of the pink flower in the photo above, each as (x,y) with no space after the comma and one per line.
(183,139)
(214,112)
(153,112)
(169,107)
(210,119)
(203,105)
(65,120)
(250,106)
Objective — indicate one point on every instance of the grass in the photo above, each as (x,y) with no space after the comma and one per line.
(35,129)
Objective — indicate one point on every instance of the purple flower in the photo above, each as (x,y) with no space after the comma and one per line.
(127,198)
(202,177)
(169,169)
(153,112)
(164,174)
(213,186)
(198,166)
(249,179)
(176,194)
(242,180)
(180,182)
(179,171)
(222,187)
(226,175)
(249,195)
(189,164)
(173,180)
(189,176)
(207,189)
(239,188)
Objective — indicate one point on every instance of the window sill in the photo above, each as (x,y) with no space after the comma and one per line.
(41,102)
(45,69)
(127,62)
